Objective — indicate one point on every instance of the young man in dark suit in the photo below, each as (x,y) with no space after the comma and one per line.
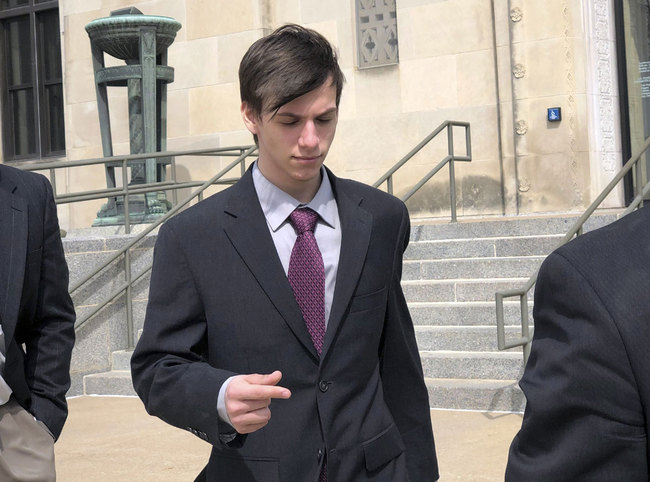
(36,327)
(286,287)
(587,382)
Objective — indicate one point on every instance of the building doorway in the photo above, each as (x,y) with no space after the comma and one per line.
(633,45)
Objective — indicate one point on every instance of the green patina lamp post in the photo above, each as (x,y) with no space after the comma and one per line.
(142,42)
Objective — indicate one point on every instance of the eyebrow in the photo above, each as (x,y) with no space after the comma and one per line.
(296,116)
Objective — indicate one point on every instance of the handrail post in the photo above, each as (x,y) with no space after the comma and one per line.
(129,300)
(389,184)
(452,190)
(125,183)
(452,173)
(525,333)
(450,139)
(243,161)
(636,179)
(174,180)
(53,182)
(501,340)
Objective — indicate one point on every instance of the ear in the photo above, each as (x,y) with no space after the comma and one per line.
(251,120)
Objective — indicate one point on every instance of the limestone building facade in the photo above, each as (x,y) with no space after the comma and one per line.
(497,64)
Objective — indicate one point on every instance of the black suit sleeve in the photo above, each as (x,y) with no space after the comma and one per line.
(583,418)
(49,341)
(169,365)
(405,392)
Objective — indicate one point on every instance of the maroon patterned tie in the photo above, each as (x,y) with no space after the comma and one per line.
(307,279)
(307,274)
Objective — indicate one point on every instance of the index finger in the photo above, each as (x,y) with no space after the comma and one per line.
(261,392)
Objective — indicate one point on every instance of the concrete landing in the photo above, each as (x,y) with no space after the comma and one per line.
(109,439)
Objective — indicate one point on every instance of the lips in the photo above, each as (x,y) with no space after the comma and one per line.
(307,159)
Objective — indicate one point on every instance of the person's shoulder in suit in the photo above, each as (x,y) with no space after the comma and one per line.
(208,209)
(619,247)
(374,200)
(587,372)
(627,231)
(28,183)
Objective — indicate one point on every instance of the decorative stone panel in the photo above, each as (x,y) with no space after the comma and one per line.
(376,33)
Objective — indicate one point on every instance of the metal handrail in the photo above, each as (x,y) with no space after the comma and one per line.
(449,159)
(125,249)
(245,151)
(576,230)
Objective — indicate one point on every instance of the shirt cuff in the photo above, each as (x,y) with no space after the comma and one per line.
(221,402)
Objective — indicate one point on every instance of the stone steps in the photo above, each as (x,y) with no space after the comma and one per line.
(114,382)
(482,248)
(117,381)
(500,227)
(471,268)
(458,290)
(470,313)
(462,338)
(451,273)
(486,395)
(472,365)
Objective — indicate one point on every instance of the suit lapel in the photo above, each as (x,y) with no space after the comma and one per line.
(356,227)
(13,240)
(248,232)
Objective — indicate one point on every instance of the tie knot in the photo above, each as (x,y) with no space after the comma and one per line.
(303,219)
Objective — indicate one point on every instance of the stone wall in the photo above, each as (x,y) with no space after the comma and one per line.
(497,68)
(106,332)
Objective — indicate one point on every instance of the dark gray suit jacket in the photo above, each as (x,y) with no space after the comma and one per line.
(36,311)
(587,381)
(220,304)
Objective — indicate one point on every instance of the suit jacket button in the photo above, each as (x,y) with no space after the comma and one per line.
(323,386)
(320,454)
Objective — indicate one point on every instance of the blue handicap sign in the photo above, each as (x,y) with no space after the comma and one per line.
(554,114)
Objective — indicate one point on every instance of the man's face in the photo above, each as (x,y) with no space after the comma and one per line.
(293,143)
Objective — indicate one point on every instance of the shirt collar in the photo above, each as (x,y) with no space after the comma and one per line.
(277,205)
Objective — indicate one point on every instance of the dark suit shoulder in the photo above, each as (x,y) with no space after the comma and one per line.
(12,178)
(612,262)
(372,199)
(617,246)
(368,191)
(201,212)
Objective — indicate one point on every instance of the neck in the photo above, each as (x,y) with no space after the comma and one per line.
(301,191)
(307,194)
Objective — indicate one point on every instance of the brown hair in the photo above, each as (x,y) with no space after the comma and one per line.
(284,65)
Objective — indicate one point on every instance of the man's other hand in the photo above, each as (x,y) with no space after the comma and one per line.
(248,398)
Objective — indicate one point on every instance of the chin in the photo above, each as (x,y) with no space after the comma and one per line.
(306,175)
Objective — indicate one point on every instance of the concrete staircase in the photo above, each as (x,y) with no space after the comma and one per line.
(117,381)
(450,275)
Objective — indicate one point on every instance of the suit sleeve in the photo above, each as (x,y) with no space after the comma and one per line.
(583,418)
(405,392)
(49,342)
(169,365)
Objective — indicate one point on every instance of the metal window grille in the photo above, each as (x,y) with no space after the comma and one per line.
(31,81)
(377,33)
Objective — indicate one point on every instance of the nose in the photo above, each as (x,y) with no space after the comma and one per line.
(308,135)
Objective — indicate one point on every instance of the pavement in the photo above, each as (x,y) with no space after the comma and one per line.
(110,439)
